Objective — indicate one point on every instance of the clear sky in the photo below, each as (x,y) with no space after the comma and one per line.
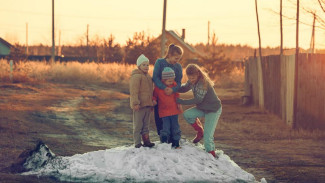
(233,21)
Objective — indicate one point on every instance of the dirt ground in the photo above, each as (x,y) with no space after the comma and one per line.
(78,118)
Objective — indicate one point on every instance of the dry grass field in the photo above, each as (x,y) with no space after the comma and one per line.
(77,108)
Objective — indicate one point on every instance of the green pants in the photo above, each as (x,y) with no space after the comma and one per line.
(210,124)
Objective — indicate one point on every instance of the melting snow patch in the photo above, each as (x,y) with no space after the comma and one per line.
(123,164)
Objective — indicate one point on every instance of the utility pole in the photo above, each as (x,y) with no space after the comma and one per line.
(163,32)
(87,41)
(27,39)
(259,63)
(281,30)
(208,33)
(296,71)
(312,41)
(258,30)
(53,43)
(59,47)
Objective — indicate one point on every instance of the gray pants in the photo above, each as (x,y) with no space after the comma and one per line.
(141,120)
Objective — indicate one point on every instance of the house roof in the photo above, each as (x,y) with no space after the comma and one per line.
(175,35)
(5,43)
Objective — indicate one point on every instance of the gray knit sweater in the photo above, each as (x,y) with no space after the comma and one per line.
(205,99)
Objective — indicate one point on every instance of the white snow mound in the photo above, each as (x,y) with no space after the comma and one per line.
(128,164)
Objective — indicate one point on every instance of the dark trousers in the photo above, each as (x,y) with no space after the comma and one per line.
(158,120)
(171,128)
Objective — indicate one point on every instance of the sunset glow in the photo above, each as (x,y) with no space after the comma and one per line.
(233,21)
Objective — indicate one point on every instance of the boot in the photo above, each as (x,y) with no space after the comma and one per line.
(163,139)
(138,145)
(146,141)
(198,127)
(175,144)
(213,153)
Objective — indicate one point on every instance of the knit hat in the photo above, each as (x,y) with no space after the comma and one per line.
(142,59)
(168,73)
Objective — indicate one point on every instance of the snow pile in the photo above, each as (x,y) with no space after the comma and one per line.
(158,164)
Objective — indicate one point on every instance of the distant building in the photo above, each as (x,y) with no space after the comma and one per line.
(5,47)
(191,55)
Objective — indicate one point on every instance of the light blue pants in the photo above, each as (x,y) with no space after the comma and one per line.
(210,124)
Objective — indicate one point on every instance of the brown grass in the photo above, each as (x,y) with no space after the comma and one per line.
(70,72)
(90,73)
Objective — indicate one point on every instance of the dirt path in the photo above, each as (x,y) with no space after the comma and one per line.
(73,119)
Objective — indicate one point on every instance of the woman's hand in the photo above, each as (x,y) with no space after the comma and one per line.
(168,91)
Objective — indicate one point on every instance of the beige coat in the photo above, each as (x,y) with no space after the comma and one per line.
(141,89)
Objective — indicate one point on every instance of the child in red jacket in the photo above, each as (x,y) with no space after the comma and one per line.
(168,109)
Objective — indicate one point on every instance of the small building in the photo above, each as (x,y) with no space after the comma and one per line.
(191,55)
(5,47)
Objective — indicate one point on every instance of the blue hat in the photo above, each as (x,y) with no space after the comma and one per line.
(168,73)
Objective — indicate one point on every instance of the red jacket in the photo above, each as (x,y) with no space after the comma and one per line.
(167,105)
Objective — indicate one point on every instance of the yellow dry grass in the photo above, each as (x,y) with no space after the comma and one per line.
(89,73)
(70,72)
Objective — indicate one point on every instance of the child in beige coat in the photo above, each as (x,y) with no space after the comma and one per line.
(141,89)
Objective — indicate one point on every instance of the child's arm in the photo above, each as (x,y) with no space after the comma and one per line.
(185,87)
(134,91)
(199,95)
(156,75)
(178,78)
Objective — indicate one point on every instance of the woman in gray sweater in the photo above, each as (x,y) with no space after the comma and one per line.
(208,105)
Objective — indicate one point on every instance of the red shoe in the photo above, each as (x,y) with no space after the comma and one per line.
(213,153)
(198,127)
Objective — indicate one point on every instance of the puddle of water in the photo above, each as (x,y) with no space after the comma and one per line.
(56,135)
(60,109)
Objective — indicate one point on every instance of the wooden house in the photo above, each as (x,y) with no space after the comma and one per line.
(191,55)
(4,47)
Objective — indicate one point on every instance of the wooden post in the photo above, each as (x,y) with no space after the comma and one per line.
(281,30)
(259,63)
(163,34)
(27,40)
(208,33)
(312,41)
(87,41)
(11,63)
(53,43)
(296,71)
(258,31)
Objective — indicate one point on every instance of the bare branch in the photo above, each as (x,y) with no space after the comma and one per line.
(321,21)
(320,4)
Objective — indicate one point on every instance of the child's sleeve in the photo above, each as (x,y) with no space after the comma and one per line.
(184,88)
(134,90)
(156,75)
(199,95)
(178,78)
(155,94)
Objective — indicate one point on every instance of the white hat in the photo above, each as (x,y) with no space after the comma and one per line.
(142,59)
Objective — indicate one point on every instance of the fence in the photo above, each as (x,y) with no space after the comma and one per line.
(270,84)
